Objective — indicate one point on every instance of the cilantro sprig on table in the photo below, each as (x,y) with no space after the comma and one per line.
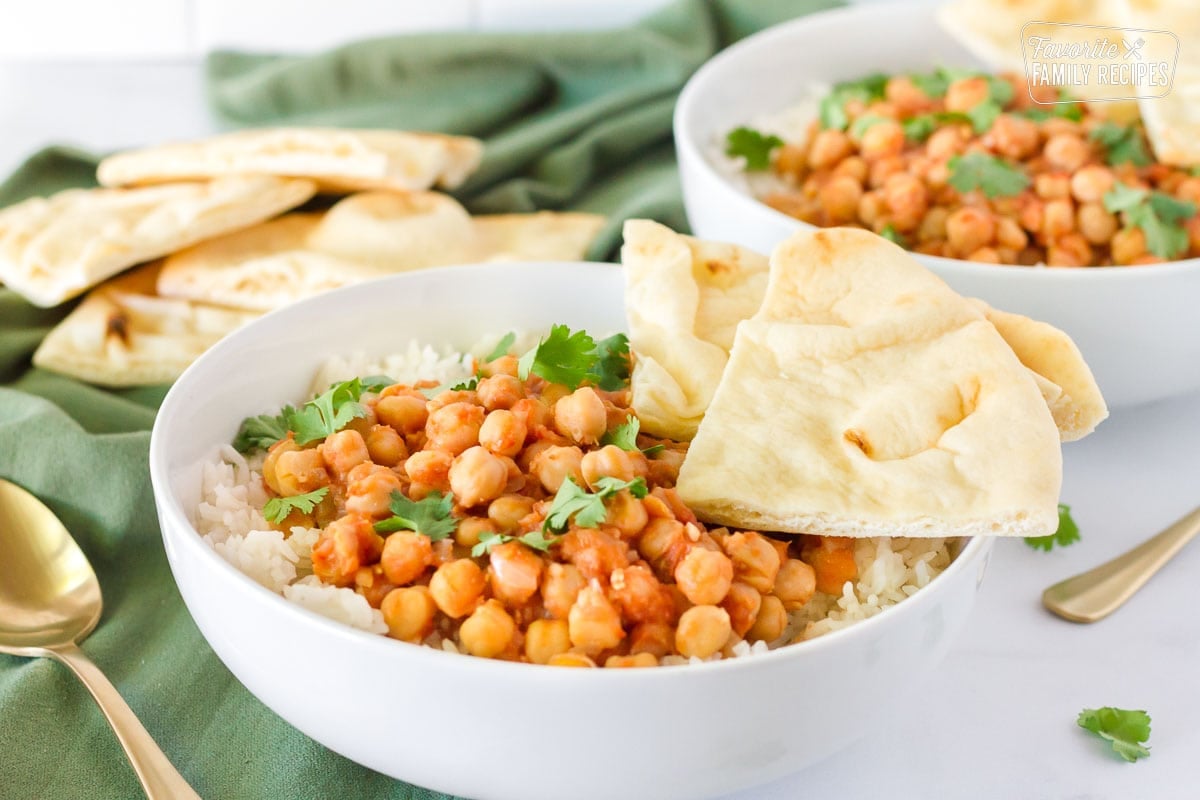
(991,175)
(754,146)
(277,509)
(1126,730)
(1160,217)
(570,358)
(1122,143)
(1066,534)
(325,414)
(429,516)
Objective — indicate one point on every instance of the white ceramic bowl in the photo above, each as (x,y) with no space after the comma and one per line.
(1137,326)
(487,729)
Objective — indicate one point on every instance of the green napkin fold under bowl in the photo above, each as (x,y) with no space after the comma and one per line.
(578,121)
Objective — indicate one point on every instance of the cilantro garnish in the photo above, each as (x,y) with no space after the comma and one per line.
(259,433)
(1160,217)
(982,115)
(453,385)
(373,383)
(587,508)
(625,436)
(570,358)
(327,413)
(753,146)
(1071,111)
(534,539)
(860,125)
(1123,144)
(833,105)
(933,85)
(277,508)
(501,348)
(994,176)
(892,235)
(429,516)
(1066,534)
(1124,729)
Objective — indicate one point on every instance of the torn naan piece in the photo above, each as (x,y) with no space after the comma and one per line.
(52,249)
(866,398)
(683,300)
(363,236)
(123,334)
(1064,377)
(338,159)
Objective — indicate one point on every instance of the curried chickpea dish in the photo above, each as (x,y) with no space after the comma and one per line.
(519,514)
(966,165)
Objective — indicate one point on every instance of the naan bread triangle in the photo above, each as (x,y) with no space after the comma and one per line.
(866,398)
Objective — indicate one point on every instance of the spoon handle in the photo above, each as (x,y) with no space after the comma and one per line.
(1095,594)
(159,778)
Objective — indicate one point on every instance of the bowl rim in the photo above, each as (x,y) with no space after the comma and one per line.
(687,140)
(183,541)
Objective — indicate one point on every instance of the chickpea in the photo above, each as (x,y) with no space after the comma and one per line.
(870,207)
(372,584)
(430,467)
(755,561)
(1069,250)
(488,631)
(560,588)
(504,365)
(627,514)
(596,552)
(385,446)
(635,660)
(369,490)
(702,631)
(570,659)
(502,433)
(655,638)
(507,511)
(704,576)
(883,168)
(546,638)
(609,461)
(1188,189)
(946,142)
(640,596)
(1009,234)
(790,159)
(881,140)
(406,554)
(840,197)
(902,93)
(1052,186)
(1091,183)
(771,621)
(342,548)
(1127,245)
(852,167)
(829,147)
(1058,218)
(273,454)
(664,544)
(514,572)
(450,397)
(477,477)
(795,584)
(1095,223)
(471,528)
(343,451)
(593,622)
(933,225)
(457,586)
(969,228)
(907,201)
(742,603)
(555,464)
(966,93)
(984,255)
(532,412)
(408,612)
(581,416)
(299,472)
(500,391)
(832,560)
(404,413)
(1066,151)
(454,427)
(1013,137)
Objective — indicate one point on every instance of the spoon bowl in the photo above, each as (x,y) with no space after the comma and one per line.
(49,601)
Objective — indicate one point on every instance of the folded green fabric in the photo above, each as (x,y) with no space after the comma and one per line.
(577,121)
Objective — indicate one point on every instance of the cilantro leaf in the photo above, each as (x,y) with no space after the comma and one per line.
(933,85)
(832,110)
(654,450)
(562,357)
(752,146)
(1071,111)
(327,413)
(1164,239)
(373,383)
(1171,210)
(502,346)
(453,385)
(537,540)
(1123,144)
(429,516)
(866,121)
(1000,91)
(1067,533)
(624,435)
(488,540)
(892,235)
(1124,729)
(982,115)
(1159,216)
(277,509)
(994,176)
(1123,198)
(259,433)
(611,370)
(587,508)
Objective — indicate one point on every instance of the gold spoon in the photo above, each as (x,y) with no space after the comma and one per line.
(49,600)
(1095,594)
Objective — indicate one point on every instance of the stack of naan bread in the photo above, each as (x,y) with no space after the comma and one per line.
(840,388)
(186,242)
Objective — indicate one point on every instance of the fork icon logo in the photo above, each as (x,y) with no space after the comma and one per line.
(1131,50)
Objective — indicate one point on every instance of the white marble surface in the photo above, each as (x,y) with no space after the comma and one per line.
(997,721)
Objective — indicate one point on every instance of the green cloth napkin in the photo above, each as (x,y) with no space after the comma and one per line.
(577,121)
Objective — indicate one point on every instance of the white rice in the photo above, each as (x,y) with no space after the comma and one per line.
(229,517)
